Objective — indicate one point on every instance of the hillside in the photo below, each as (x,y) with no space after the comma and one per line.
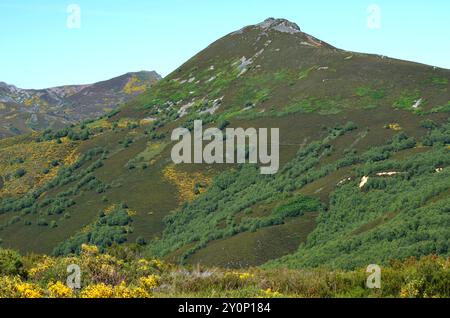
(364,151)
(26,110)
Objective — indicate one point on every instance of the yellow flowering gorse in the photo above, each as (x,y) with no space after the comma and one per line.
(59,290)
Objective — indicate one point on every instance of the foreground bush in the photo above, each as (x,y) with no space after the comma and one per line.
(10,263)
(123,273)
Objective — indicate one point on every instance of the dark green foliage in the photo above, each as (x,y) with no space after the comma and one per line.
(111,228)
(438,136)
(20,173)
(237,192)
(428,124)
(141,241)
(113,113)
(296,207)
(126,142)
(350,126)
(19,160)
(73,133)
(10,263)
(81,178)
(118,218)
(42,222)
(390,218)
(55,163)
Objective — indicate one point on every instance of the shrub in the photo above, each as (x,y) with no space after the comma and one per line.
(20,173)
(141,241)
(428,124)
(55,163)
(10,263)
(42,222)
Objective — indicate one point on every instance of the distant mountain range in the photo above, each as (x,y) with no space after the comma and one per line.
(25,110)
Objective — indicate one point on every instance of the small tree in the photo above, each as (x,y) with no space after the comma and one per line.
(141,241)
(20,173)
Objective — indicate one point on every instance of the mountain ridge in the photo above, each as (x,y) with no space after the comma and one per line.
(37,109)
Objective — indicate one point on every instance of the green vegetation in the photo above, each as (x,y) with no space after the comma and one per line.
(296,207)
(20,173)
(373,93)
(305,73)
(123,273)
(407,100)
(38,205)
(440,81)
(235,191)
(410,194)
(364,178)
(10,263)
(442,109)
(111,228)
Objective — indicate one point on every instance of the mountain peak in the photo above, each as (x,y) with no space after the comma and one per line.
(281,25)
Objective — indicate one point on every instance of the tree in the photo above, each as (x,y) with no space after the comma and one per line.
(20,173)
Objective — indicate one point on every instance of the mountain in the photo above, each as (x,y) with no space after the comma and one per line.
(364,162)
(25,110)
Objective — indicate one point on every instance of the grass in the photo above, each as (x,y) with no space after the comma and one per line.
(407,100)
(303,74)
(373,93)
(442,109)
(255,248)
(440,81)
(123,273)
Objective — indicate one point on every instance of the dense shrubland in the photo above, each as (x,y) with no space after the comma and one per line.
(79,175)
(122,272)
(112,227)
(408,209)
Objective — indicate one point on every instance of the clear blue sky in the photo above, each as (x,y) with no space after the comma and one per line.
(117,36)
